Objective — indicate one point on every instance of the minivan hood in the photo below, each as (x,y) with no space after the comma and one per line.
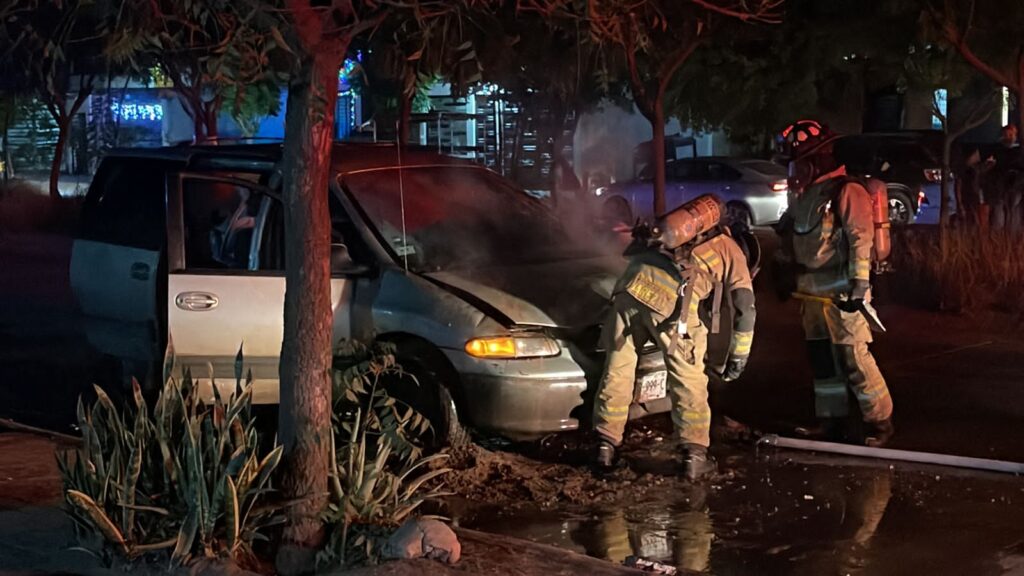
(567,293)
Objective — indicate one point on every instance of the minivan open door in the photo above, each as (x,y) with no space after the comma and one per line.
(116,263)
(226,281)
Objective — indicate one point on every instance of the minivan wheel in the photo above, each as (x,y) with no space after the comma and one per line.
(423,387)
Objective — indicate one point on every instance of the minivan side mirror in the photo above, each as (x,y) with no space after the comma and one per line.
(342,263)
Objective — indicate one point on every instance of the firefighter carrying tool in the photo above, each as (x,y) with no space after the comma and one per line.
(830,236)
(671,294)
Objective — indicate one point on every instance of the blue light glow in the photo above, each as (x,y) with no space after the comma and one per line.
(132,112)
(345,75)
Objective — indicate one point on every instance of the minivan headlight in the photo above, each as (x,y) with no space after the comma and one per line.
(512,347)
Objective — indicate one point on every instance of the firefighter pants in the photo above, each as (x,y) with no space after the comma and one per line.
(629,326)
(837,343)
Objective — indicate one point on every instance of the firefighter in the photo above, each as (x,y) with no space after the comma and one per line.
(827,238)
(671,294)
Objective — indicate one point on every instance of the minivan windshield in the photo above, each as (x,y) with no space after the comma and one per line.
(459,217)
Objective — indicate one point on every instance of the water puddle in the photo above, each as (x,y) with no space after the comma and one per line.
(796,514)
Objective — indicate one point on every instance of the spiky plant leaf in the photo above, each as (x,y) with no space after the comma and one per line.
(231,514)
(99,519)
(186,538)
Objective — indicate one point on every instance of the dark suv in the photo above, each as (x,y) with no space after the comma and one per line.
(910,162)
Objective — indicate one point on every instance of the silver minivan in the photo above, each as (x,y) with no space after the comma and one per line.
(491,302)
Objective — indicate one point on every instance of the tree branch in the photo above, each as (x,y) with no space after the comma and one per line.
(682,54)
(639,89)
(766,11)
(947,22)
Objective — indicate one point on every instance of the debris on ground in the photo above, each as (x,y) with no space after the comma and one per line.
(650,566)
(557,469)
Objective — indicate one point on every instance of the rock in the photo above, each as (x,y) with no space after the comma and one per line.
(420,538)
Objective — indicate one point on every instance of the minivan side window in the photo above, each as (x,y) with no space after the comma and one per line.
(343,231)
(127,205)
(220,224)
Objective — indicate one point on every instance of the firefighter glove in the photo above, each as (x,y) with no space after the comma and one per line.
(734,368)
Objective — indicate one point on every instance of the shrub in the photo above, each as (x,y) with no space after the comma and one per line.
(380,474)
(187,478)
(975,271)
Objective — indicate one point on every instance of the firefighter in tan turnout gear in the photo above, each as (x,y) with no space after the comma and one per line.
(829,235)
(671,294)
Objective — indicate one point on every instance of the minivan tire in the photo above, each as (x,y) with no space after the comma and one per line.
(429,394)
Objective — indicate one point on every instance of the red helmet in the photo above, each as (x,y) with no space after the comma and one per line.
(802,138)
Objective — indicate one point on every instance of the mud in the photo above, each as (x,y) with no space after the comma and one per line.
(557,472)
(777,512)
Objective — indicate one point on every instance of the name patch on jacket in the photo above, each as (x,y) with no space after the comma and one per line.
(655,289)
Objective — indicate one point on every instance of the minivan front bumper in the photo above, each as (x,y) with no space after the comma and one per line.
(527,398)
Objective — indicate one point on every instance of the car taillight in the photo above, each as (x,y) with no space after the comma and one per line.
(922,199)
(933,174)
(780,187)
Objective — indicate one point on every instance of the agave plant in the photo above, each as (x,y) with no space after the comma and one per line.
(187,478)
(374,484)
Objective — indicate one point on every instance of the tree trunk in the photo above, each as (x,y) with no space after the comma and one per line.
(947,148)
(305,408)
(1020,108)
(658,155)
(63,125)
(198,127)
(404,117)
(210,120)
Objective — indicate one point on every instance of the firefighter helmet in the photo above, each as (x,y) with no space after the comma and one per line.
(803,138)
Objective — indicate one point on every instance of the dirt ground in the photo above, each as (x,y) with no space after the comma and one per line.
(36,537)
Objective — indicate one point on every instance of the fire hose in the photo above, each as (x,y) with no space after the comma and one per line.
(890,454)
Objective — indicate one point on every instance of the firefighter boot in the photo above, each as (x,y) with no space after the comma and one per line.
(878,434)
(696,462)
(604,458)
(826,430)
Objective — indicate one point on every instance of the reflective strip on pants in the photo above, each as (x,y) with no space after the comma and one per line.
(615,390)
(624,330)
(830,398)
(855,366)
(688,385)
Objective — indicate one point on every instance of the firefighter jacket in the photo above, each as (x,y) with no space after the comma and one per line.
(832,234)
(692,292)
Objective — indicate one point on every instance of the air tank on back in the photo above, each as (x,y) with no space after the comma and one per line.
(882,244)
(689,220)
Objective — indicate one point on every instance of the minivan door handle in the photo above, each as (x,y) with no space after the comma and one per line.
(196,301)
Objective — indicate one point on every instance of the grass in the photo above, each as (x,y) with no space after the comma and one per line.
(976,271)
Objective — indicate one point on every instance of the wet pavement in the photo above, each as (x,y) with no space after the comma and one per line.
(784,513)
(956,381)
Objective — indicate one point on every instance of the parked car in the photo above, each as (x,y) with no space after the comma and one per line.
(754,191)
(909,162)
(492,305)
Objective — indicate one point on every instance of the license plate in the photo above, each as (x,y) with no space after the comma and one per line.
(653,386)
